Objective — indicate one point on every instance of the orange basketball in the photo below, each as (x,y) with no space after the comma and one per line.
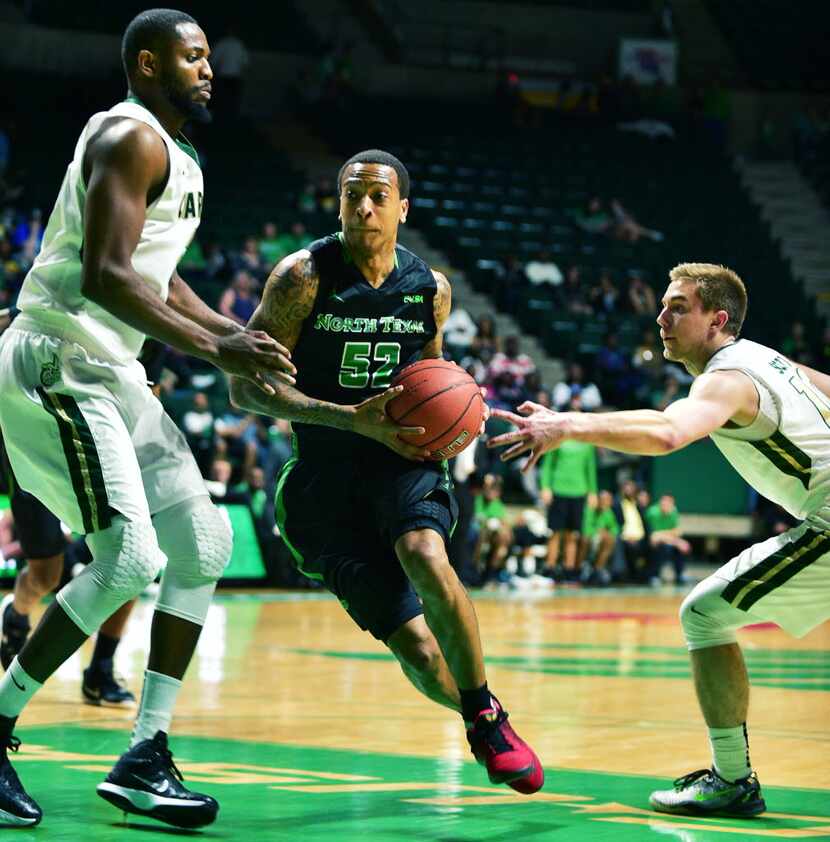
(444,400)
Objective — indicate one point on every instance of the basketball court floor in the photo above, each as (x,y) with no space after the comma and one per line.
(304,728)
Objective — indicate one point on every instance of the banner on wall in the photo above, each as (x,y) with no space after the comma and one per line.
(648,60)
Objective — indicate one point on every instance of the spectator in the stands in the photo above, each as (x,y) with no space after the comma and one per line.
(236,440)
(567,481)
(667,544)
(486,343)
(574,385)
(508,282)
(271,245)
(593,218)
(543,271)
(249,259)
(641,298)
(612,371)
(633,532)
(600,531)
(575,293)
(229,60)
(197,424)
(459,333)
(271,439)
(240,299)
(307,200)
(605,295)
(494,534)
(297,237)
(627,228)
(216,263)
(512,361)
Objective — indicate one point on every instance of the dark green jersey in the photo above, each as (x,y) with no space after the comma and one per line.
(357,337)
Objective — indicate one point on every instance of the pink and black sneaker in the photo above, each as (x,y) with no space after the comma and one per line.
(508,758)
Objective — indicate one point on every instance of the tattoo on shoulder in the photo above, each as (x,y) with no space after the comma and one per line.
(289,296)
(441,304)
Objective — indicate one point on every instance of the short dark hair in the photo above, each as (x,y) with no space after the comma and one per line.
(378,156)
(147,31)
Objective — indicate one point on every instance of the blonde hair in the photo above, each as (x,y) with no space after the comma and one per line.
(719,288)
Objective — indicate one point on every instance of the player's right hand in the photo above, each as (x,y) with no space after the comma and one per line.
(371,420)
(255,356)
(546,496)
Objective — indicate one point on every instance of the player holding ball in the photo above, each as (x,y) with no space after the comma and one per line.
(366,504)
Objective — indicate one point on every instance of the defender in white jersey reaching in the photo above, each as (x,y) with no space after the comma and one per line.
(771,420)
(83,431)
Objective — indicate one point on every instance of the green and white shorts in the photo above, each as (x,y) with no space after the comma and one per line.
(86,436)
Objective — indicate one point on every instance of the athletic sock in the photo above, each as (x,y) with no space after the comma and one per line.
(16,688)
(730,750)
(475,701)
(105,647)
(158,698)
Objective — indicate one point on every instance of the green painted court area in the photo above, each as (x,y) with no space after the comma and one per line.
(269,791)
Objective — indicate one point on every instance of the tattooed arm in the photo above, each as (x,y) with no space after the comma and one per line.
(287,302)
(441,305)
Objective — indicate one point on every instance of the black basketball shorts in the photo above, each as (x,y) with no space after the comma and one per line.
(341,516)
(566,513)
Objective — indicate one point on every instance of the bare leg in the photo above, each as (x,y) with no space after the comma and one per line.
(553,551)
(571,539)
(422,662)
(447,608)
(39,577)
(606,547)
(721,684)
(172,643)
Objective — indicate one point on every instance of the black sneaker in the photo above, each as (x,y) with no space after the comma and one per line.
(145,781)
(16,808)
(101,687)
(705,793)
(14,629)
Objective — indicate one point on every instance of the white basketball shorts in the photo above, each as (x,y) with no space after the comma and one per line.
(86,436)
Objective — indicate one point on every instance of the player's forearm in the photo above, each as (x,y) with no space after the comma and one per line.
(291,404)
(126,295)
(644,432)
(184,301)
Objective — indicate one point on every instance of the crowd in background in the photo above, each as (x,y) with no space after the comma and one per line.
(561,526)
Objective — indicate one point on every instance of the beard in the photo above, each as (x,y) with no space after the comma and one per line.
(181,98)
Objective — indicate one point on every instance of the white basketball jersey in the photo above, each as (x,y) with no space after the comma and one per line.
(51,300)
(785,453)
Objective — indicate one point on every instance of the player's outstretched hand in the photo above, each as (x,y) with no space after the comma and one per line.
(538,430)
(254,355)
(486,414)
(371,420)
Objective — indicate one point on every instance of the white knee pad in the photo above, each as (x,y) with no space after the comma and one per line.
(197,541)
(707,618)
(126,558)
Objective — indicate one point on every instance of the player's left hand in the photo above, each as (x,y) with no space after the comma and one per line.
(538,430)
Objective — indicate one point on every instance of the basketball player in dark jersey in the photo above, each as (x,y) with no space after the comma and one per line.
(361,509)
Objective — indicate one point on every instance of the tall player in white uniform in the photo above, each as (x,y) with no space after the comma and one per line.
(83,431)
(771,419)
